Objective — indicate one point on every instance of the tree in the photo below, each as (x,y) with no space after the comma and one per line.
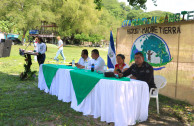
(140,3)
(76,17)
(162,52)
(151,44)
(27,14)
(98,4)
(89,17)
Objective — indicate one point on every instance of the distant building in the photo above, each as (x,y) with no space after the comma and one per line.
(3,35)
(46,31)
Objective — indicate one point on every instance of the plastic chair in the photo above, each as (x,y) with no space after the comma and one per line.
(160,82)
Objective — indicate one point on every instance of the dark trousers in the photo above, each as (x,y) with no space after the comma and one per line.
(41,58)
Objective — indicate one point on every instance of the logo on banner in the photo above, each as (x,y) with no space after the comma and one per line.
(154,49)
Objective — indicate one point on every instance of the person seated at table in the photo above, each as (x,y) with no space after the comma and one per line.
(140,70)
(40,51)
(83,60)
(97,61)
(120,66)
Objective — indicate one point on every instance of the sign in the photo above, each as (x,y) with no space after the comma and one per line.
(160,19)
(154,29)
(33,32)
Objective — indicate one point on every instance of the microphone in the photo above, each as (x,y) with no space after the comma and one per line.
(119,71)
(28,44)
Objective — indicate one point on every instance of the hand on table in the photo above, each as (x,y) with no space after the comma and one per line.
(79,66)
(120,74)
(133,77)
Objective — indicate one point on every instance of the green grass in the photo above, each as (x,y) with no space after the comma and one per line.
(22,103)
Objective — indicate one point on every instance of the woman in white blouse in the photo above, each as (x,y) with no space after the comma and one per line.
(40,51)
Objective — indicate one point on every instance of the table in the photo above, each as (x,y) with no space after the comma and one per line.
(121,102)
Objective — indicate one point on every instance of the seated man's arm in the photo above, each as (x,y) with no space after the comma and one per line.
(79,64)
(90,62)
(127,72)
(99,64)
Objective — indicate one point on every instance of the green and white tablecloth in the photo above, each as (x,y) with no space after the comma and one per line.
(122,102)
(83,80)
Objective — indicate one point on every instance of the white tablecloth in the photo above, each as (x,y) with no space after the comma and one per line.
(121,102)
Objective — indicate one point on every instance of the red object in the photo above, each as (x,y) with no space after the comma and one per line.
(121,68)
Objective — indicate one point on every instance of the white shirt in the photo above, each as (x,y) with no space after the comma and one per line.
(98,64)
(41,48)
(60,42)
(83,62)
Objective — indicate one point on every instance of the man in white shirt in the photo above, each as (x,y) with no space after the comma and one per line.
(97,61)
(83,60)
(60,47)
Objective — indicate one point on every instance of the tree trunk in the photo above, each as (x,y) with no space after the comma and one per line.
(6,35)
(23,37)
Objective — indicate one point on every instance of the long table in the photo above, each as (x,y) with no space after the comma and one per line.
(121,102)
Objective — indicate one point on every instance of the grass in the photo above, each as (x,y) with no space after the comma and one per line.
(22,103)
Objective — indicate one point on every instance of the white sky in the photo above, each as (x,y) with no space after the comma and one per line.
(174,6)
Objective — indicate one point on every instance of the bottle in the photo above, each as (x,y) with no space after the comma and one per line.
(105,68)
(86,65)
(73,63)
(92,68)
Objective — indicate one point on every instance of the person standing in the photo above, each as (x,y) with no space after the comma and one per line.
(60,49)
(35,44)
(40,51)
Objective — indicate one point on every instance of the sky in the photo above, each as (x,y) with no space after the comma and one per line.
(174,6)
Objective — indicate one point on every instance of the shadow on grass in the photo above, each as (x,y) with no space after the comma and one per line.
(22,103)
(172,113)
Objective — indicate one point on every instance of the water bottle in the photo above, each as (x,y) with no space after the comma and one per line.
(73,63)
(86,65)
(92,68)
(105,68)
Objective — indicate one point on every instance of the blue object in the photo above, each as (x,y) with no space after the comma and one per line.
(92,68)
(12,35)
(33,32)
(158,68)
